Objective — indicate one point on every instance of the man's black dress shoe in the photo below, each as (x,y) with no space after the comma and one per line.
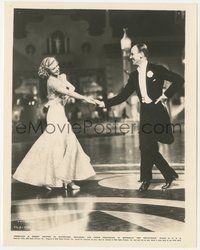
(168,183)
(175,175)
(144,186)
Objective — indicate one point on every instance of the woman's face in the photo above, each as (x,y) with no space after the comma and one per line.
(54,68)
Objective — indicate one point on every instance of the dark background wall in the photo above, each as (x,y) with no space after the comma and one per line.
(91,42)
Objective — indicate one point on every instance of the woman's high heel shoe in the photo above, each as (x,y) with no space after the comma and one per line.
(73,186)
(48,188)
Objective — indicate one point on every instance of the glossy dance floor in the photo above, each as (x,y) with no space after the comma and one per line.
(108,202)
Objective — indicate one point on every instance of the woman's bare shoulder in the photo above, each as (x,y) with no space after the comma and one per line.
(52,81)
(62,77)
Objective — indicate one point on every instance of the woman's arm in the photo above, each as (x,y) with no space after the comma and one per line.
(81,97)
(60,87)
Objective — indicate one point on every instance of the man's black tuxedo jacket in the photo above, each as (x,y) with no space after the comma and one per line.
(155,77)
(158,114)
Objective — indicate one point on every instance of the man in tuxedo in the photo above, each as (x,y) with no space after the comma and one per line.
(155,125)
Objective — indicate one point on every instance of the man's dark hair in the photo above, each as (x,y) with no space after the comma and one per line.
(142,47)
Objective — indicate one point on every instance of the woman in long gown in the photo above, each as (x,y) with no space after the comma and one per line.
(56,158)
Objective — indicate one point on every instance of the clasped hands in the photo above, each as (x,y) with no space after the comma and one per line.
(91,100)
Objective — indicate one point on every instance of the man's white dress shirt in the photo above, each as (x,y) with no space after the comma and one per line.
(142,82)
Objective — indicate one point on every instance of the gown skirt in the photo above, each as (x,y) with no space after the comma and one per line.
(56,156)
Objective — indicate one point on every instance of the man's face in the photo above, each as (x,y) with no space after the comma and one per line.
(136,56)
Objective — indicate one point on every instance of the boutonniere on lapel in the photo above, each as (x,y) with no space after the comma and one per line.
(150,75)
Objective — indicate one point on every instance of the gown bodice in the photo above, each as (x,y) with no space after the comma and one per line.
(57,91)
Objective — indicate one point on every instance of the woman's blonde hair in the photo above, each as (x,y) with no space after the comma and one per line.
(45,67)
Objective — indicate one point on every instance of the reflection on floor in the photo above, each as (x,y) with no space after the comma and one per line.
(109,202)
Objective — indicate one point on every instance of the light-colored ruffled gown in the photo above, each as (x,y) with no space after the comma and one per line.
(57,155)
